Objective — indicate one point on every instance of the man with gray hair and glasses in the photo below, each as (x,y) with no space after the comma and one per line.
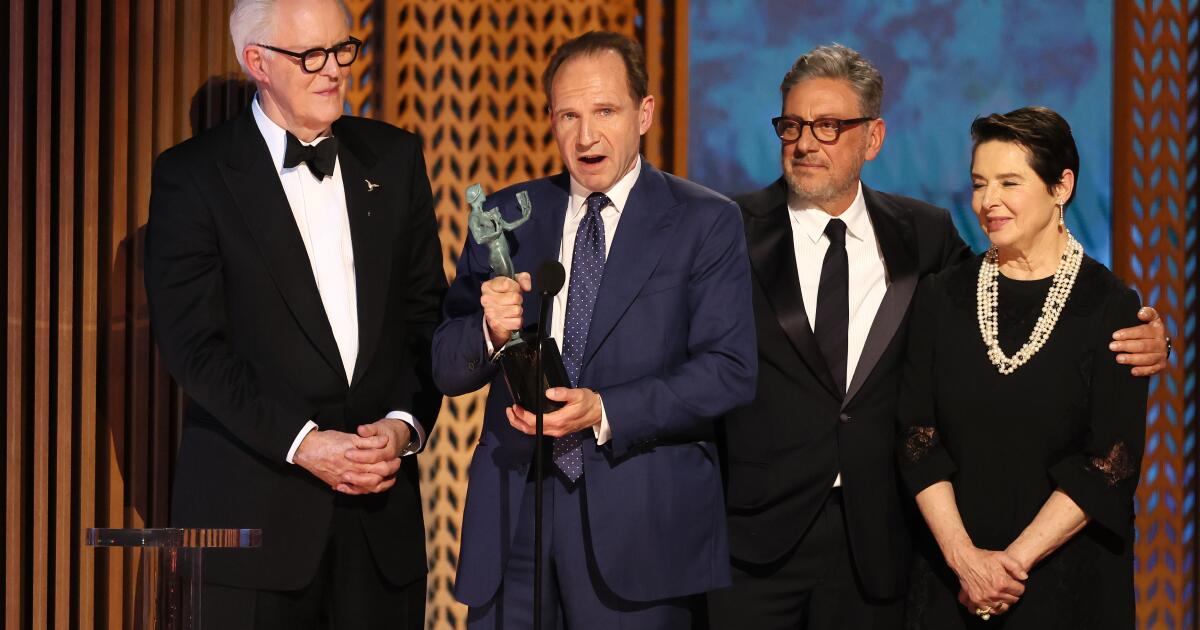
(818,527)
(294,278)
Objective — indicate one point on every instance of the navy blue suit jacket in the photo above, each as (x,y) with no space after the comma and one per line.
(671,347)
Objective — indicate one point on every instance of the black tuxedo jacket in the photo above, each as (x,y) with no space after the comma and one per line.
(240,324)
(782,453)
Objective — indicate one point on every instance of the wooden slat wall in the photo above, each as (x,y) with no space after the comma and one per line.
(96,89)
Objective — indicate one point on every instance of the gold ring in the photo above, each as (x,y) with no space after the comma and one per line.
(984,613)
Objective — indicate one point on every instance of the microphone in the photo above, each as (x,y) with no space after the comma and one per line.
(550,278)
(549,281)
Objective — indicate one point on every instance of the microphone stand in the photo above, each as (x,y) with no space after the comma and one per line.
(538,462)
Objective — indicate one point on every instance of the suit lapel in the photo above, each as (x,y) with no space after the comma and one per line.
(773,257)
(642,236)
(255,187)
(540,239)
(894,233)
(370,232)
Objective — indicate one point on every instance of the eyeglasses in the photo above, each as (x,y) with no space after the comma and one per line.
(825,130)
(313,60)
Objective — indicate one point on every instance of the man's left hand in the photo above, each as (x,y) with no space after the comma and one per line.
(582,410)
(379,444)
(1143,347)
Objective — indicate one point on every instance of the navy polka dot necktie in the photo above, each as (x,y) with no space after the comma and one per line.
(587,269)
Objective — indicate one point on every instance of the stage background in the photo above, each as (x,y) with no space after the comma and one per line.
(97,88)
(943,62)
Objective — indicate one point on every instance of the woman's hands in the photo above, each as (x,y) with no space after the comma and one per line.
(989,580)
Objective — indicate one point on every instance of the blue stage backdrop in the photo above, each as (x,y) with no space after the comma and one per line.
(944,63)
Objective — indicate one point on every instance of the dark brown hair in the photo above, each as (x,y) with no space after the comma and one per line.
(596,42)
(1043,133)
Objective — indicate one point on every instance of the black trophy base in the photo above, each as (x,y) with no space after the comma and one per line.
(518,361)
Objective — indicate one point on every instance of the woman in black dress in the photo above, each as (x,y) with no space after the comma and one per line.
(1022,440)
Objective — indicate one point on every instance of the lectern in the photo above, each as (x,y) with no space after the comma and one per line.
(171,568)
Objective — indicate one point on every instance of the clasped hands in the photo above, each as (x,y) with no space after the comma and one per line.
(502,301)
(990,581)
(362,463)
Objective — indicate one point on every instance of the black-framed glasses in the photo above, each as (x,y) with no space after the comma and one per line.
(314,59)
(825,130)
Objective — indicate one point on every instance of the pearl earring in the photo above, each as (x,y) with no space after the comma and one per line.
(1062,222)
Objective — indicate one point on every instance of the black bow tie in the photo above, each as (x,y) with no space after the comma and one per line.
(320,157)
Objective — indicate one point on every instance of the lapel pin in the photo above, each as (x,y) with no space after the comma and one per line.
(371,186)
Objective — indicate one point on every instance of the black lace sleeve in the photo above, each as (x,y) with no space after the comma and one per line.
(922,458)
(1103,475)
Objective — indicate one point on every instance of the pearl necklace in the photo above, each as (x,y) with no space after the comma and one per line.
(987,300)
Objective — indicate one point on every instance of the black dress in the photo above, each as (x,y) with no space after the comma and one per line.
(1071,418)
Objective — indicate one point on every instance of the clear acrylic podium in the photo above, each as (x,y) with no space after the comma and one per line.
(171,568)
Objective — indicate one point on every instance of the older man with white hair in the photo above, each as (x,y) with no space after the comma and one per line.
(294,278)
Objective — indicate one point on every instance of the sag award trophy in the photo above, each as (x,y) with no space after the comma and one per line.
(518,358)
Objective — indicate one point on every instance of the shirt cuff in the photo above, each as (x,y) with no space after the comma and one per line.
(418,441)
(603,431)
(308,426)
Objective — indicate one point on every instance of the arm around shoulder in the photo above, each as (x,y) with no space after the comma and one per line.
(1102,476)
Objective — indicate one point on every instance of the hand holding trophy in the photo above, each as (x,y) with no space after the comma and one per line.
(518,357)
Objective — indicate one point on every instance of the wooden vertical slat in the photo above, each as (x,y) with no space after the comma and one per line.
(66,536)
(14,487)
(653,44)
(40,461)
(188,66)
(116,269)
(164,116)
(142,147)
(677,74)
(92,588)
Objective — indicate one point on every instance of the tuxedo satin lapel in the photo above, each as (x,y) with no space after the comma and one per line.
(894,233)
(372,224)
(647,222)
(254,185)
(773,257)
(540,239)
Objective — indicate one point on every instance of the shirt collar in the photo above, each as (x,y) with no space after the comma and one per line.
(618,194)
(812,221)
(274,135)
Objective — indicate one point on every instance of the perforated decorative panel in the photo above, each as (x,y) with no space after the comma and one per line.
(1154,221)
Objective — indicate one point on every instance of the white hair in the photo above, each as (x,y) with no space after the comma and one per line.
(250,23)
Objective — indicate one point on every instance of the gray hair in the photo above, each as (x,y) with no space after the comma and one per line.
(250,22)
(836,61)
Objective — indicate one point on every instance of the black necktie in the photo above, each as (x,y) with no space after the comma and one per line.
(320,157)
(833,303)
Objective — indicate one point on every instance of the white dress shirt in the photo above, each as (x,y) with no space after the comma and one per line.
(611,214)
(576,210)
(868,273)
(319,207)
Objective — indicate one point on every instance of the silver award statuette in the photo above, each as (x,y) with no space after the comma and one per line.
(518,357)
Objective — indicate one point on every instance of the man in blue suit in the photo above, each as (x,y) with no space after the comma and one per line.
(657,337)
